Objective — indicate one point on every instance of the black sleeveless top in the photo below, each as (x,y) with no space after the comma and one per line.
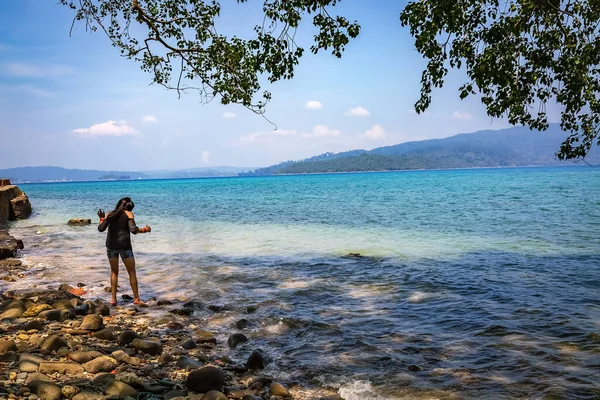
(119,229)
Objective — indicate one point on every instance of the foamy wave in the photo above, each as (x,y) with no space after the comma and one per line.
(422,297)
(359,390)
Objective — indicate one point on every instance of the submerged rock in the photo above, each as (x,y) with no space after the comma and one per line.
(257,360)
(236,339)
(79,222)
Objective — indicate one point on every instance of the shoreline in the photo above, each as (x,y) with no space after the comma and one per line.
(58,344)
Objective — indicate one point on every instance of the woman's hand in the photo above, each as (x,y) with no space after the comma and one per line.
(148,229)
(101,214)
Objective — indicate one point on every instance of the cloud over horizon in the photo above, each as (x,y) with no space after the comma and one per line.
(375,132)
(461,115)
(108,128)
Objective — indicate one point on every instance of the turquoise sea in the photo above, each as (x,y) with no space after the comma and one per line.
(471,283)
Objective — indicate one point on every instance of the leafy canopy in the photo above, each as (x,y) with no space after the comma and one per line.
(518,54)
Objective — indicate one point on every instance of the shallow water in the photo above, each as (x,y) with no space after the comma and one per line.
(474,283)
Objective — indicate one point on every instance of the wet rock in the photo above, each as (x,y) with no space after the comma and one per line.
(37,376)
(203,336)
(148,346)
(12,309)
(174,394)
(79,222)
(36,309)
(242,323)
(98,308)
(9,356)
(205,379)
(65,287)
(31,325)
(251,309)
(53,343)
(45,390)
(29,362)
(126,337)
(414,368)
(21,207)
(189,344)
(188,363)
(163,302)
(57,315)
(105,334)
(9,245)
(92,322)
(214,395)
(68,391)
(63,304)
(236,339)
(257,360)
(81,357)
(174,325)
(87,395)
(121,389)
(277,389)
(120,355)
(251,397)
(184,312)
(52,367)
(103,379)
(100,364)
(166,358)
(7,345)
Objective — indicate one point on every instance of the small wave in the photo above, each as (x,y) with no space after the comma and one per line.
(358,390)
(422,297)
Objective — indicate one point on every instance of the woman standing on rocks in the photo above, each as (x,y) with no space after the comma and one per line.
(120,224)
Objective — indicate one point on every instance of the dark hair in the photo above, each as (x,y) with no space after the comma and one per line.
(125,204)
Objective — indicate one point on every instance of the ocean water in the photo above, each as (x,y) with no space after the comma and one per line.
(471,283)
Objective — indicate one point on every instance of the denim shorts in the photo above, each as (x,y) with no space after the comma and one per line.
(116,253)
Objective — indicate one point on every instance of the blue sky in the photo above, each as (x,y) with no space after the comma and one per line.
(74,102)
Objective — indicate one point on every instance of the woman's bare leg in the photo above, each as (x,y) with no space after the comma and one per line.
(130,265)
(114,278)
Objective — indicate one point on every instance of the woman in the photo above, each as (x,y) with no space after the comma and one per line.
(120,224)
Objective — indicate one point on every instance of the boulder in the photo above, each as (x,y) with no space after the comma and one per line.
(105,334)
(188,363)
(79,222)
(92,322)
(126,337)
(45,390)
(7,345)
(57,315)
(121,389)
(31,325)
(52,343)
(87,395)
(81,356)
(205,379)
(97,307)
(21,207)
(29,362)
(214,395)
(63,304)
(100,364)
(37,376)
(257,360)
(277,389)
(9,245)
(52,367)
(148,346)
(236,339)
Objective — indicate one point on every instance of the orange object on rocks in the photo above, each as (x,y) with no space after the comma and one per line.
(77,292)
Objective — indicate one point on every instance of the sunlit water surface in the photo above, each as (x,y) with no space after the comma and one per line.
(474,283)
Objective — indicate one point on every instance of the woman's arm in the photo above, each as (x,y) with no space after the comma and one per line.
(133,228)
(103,224)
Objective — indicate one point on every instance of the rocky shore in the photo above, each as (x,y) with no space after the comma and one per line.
(14,203)
(57,345)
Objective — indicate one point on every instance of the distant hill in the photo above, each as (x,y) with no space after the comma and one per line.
(58,174)
(512,147)
(204,172)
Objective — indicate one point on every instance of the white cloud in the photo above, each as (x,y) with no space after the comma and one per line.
(261,136)
(313,105)
(229,115)
(358,112)
(149,119)
(376,132)
(321,131)
(206,157)
(35,71)
(108,128)
(461,115)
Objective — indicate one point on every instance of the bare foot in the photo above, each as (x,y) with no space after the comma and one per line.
(113,303)
(138,302)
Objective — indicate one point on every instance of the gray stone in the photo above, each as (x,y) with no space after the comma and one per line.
(7,345)
(100,364)
(189,344)
(277,389)
(126,337)
(92,322)
(45,390)
(121,389)
(51,367)
(214,395)
(188,363)
(148,346)
(205,379)
(236,339)
(53,343)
